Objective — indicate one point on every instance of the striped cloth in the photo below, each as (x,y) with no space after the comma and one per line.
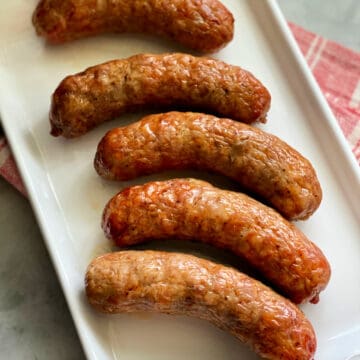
(8,167)
(328,61)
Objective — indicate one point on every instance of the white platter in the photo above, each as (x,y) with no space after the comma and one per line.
(68,197)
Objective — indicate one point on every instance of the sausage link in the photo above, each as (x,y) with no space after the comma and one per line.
(174,283)
(105,91)
(260,162)
(191,209)
(205,25)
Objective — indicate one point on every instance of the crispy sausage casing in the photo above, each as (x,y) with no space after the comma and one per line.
(105,91)
(194,209)
(205,25)
(175,283)
(260,162)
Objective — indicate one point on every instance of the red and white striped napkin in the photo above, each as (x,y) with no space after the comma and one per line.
(329,63)
(8,167)
(337,70)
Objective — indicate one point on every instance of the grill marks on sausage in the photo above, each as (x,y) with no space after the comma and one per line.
(175,283)
(188,209)
(260,162)
(103,92)
(205,26)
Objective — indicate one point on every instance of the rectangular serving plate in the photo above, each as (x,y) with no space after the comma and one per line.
(68,196)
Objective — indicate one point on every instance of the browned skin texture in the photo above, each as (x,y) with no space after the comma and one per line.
(191,209)
(174,283)
(260,162)
(105,91)
(202,25)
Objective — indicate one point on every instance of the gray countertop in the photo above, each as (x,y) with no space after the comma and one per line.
(337,20)
(35,322)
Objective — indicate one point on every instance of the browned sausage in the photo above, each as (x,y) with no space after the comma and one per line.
(175,283)
(105,91)
(194,209)
(205,25)
(260,162)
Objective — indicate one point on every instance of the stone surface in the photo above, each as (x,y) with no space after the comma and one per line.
(337,20)
(35,322)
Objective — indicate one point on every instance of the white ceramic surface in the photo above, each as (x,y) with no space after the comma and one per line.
(68,197)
